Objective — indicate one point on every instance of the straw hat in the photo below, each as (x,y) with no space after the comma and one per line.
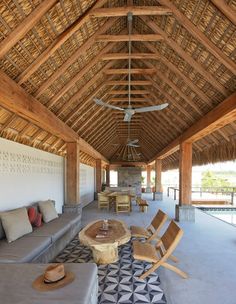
(54,277)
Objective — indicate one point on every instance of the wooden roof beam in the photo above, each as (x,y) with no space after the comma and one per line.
(132,71)
(135,10)
(58,42)
(125,82)
(116,56)
(133,37)
(200,36)
(15,99)
(126,92)
(25,26)
(217,118)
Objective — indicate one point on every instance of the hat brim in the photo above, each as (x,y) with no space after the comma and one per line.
(39,284)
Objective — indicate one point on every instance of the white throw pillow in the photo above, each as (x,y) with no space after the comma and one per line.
(48,211)
(16,224)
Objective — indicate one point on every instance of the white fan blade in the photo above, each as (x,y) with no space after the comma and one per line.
(101,103)
(133,145)
(134,141)
(151,108)
(127,117)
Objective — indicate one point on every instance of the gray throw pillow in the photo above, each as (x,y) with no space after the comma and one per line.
(16,224)
(48,211)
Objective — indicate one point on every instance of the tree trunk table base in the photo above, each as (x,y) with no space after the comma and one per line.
(105,250)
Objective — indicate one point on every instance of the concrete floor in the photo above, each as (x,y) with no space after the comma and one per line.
(207,252)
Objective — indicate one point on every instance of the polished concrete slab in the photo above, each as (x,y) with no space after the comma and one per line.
(207,252)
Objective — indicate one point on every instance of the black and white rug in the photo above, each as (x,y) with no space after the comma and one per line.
(118,282)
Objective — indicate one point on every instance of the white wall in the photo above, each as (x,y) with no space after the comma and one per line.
(86,184)
(28,175)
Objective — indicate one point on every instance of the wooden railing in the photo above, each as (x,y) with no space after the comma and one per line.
(230,191)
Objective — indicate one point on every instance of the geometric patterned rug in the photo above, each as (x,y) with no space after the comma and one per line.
(118,282)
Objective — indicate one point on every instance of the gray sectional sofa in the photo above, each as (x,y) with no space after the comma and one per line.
(44,243)
(23,257)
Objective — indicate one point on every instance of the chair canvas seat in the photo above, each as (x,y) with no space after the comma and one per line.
(144,251)
(139,232)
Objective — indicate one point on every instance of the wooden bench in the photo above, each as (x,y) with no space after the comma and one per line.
(143,204)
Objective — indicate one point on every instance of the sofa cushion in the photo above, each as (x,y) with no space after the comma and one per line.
(35,217)
(48,211)
(15,224)
(23,250)
(72,218)
(54,229)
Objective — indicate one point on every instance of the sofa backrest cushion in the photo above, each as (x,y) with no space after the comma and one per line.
(16,224)
(48,211)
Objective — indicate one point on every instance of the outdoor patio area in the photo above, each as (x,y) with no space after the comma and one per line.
(206,252)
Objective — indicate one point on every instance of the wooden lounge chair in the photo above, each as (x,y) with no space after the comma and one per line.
(123,203)
(158,255)
(152,231)
(103,201)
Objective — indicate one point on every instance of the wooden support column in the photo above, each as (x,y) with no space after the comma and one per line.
(98,176)
(185,211)
(158,195)
(148,188)
(72,174)
(108,176)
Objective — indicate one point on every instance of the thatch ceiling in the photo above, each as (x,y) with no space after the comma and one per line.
(60,62)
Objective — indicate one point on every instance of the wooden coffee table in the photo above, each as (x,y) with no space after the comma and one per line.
(105,250)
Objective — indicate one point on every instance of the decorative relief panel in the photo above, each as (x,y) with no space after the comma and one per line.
(19,163)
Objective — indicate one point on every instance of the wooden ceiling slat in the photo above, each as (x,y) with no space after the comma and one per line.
(25,26)
(72,59)
(132,71)
(186,57)
(58,42)
(226,10)
(199,35)
(78,76)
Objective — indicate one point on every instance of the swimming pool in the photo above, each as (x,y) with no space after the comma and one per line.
(225,214)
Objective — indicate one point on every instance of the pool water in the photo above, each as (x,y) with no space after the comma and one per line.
(225,214)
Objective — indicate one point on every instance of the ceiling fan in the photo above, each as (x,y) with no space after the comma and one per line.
(129,111)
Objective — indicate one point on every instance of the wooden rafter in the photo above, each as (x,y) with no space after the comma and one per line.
(135,10)
(199,35)
(58,42)
(226,10)
(186,57)
(71,60)
(25,26)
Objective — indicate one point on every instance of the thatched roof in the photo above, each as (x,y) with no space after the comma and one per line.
(61,63)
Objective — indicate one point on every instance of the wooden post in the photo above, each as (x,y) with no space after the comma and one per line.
(108,176)
(72,174)
(185,211)
(158,195)
(148,188)
(98,176)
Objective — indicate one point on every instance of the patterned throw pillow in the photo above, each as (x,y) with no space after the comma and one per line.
(35,217)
